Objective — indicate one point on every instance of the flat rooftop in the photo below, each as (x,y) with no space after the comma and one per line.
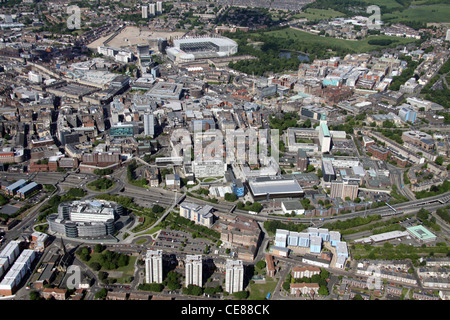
(421,233)
(275,186)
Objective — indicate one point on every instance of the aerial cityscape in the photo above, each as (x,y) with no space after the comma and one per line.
(221,150)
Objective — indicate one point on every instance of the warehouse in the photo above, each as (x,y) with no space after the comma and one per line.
(27,190)
(12,188)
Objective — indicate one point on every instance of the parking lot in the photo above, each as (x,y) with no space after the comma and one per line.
(178,240)
(183,241)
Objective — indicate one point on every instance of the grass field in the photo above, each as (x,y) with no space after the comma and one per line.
(317,14)
(259,291)
(126,272)
(432,13)
(385,3)
(357,46)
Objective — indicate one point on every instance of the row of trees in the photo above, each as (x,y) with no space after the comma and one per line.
(272,226)
(173,281)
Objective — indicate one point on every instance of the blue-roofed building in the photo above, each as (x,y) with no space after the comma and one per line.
(293,239)
(324,234)
(341,249)
(281,238)
(12,188)
(238,188)
(303,239)
(407,114)
(27,189)
(313,231)
(335,237)
(315,245)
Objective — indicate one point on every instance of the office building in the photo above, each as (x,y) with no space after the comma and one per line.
(234,276)
(302,160)
(154,266)
(199,214)
(149,124)
(407,114)
(194,270)
(85,218)
(324,136)
(328,170)
(343,189)
(124,129)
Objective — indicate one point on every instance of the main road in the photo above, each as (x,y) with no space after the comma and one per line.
(166,198)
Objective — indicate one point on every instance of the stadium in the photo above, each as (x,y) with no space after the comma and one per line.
(189,49)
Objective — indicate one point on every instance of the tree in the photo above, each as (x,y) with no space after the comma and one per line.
(34,295)
(230,197)
(84,253)
(95,266)
(423,214)
(155,287)
(241,295)
(324,274)
(261,264)
(439,160)
(323,291)
(101,294)
(157,209)
(102,275)
(193,290)
(319,173)
(98,248)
